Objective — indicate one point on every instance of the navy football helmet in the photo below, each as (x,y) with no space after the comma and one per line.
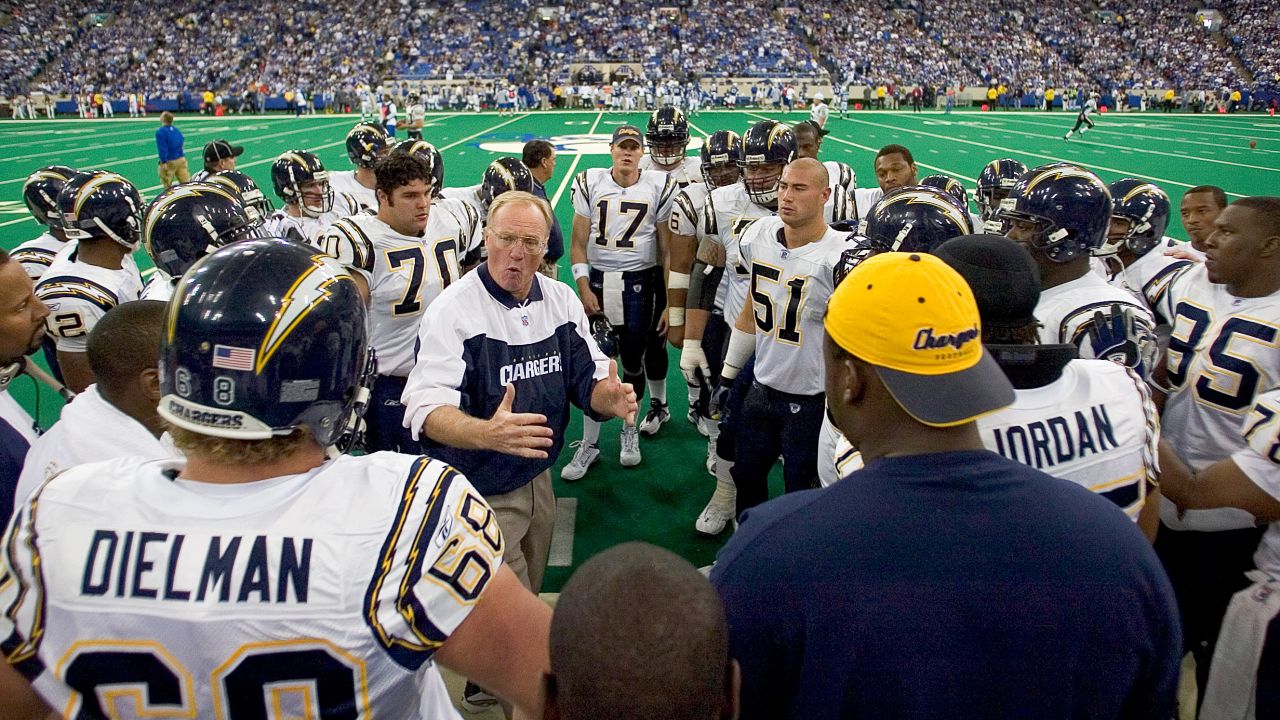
(603,333)
(667,135)
(40,193)
(366,142)
(766,149)
(428,152)
(720,155)
(858,251)
(505,175)
(915,219)
(296,168)
(950,186)
(187,222)
(1060,210)
(994,183)
(255,201)
(101,204)
(1145,207)
(264,337)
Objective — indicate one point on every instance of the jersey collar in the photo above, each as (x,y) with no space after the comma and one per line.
(508,300)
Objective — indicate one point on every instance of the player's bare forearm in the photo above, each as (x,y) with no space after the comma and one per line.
(18,700)
(75,369)
(695,323)
(1221,485)
(746,322)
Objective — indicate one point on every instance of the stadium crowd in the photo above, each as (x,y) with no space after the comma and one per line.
(117,47)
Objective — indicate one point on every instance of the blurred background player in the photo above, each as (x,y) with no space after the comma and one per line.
(668,139)
(620,235)
(994,184)
(40,193)
(102,213)
(415,117)
(818,112)
(1083,118)
(219,155)
(366,142)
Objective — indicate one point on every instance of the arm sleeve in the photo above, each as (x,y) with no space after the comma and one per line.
(684,218)
(704,281)
(579,195)
(439,369)
(665,199)
(349,245)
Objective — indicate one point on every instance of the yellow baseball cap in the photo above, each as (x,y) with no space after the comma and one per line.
(915,320)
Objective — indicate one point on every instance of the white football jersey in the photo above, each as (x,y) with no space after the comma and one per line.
(79,294)
(345,182)
(841,176)
(1147,278)
(797,283)
(300,596)
(469,195)
(686,210)
(160,287)
(301,229)
(1067,311)
(404,274)
(688,172)
(1260,460)
(624,221)
(818,114)
(1095,426)
(1224,351)
(36,255)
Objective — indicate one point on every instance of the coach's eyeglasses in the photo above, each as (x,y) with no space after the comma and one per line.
(506,241)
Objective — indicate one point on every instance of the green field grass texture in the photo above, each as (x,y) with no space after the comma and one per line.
(658,500)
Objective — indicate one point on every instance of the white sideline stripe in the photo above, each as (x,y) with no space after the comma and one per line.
(1188,131)
(152,156)
(561,554)
(1160,153)
(456,143)
(568,177)
(927,166)
(1029,153)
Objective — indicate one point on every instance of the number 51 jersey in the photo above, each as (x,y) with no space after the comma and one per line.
(128,593)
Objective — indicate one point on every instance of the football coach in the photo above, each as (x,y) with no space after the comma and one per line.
(502,353)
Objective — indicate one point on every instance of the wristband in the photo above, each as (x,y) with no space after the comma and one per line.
(581,271)
(742,345)
(675,316)
(677,281)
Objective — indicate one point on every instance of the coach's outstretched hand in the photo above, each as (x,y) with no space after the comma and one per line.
(524,435)
(614,397)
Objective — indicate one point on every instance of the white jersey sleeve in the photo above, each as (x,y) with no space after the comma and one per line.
(1260,461)
(79,294)
(686,210)
(36,255)
(841,175)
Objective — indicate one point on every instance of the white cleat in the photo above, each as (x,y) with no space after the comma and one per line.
(585,456)
(719,512)
(629,455)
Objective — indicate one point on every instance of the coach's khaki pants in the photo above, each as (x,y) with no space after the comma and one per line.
(527,516)
(174,169)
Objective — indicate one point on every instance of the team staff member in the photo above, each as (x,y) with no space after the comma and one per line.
(173,162)
(22,328)
(503,353)
(219,156)
(540,157)
(942,580)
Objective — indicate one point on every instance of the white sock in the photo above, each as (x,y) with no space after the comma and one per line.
(657,389)
(695,394)
(590,431)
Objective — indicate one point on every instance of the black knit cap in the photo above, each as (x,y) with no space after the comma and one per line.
(1003,276)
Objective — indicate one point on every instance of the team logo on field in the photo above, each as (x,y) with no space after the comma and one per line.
(585,144)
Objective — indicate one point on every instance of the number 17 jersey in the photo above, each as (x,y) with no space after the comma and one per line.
(624,220)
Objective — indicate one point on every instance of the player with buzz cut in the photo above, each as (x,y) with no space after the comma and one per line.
(1224,352)
(401,259)
(667,138)
(366,142)
(262,575)
(618,249)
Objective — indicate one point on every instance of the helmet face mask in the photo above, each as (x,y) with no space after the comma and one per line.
(766,149)
(315,198)
(101,205)
(190,221)
(1060,211)
(299,179)
(995,182)
(761,181)
(721,175)
(667,136)
(721,155)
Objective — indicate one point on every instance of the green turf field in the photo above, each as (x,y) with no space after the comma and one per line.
(659,500)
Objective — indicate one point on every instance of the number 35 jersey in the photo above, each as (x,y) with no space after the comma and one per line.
(404,273)
(1224,351)
(624,220)
(130,594)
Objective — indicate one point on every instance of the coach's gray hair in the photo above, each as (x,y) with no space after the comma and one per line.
(520,197)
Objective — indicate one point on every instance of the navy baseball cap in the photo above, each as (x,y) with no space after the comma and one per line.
(627,132)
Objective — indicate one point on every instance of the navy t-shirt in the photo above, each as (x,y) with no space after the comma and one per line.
(957,585)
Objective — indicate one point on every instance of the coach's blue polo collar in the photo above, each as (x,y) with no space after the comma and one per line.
(508,300)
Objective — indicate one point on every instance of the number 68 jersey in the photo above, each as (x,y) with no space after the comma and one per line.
(128,593)
(624,220)
(1224,351)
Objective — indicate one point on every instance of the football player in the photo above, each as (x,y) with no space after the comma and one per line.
(401,259)
(255,201)
(956,190)
(809,143)
(286,570)
(310,204)
(102,213)
(1223,354)
(366,142)
(1134,254)
(790,258)
(467,215)
(819,112)
(40,193)
(1089,108)
(720,155)
(415,117)
(618,248)
(668,139)
(1199,208)
(994,183)
(187,222)
(1060,213)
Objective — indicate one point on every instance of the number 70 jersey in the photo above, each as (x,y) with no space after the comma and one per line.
(624,221)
